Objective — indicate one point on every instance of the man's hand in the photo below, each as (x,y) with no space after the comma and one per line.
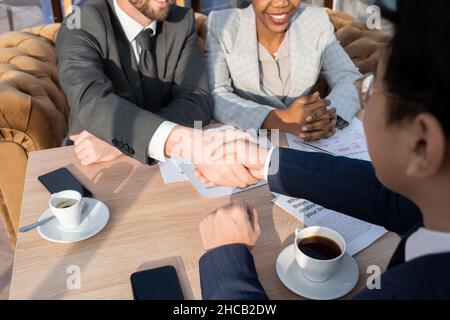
(226,165)
(214,153)
(90,149)
(232,224)
(247,153)
(306,117)
(226,175)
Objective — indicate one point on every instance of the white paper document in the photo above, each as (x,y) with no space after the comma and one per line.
(171,171)
(349,142)
(357,234)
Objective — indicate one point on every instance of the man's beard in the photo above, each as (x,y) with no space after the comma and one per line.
(156,15)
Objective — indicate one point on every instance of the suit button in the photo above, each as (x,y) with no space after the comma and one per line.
(115,142)
(132,151)
(151,161)
(127,148)
(120,144)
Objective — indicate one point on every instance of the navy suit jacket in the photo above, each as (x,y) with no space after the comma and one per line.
(344,185)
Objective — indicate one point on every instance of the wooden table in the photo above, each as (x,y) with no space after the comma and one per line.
(151,224)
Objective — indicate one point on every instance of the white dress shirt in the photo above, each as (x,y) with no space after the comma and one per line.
(132,28)
(424,242)
(275,71)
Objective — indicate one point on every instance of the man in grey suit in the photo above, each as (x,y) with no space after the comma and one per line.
(132,71)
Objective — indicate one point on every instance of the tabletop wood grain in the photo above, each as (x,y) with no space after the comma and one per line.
(151,224)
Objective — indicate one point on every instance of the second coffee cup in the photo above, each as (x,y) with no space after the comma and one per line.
(319,252)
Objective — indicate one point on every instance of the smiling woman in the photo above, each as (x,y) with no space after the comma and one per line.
(263,62)
(272,19)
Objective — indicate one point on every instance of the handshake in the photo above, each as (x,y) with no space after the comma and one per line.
(227,157)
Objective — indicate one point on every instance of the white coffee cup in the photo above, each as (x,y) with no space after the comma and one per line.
(314,269)
(69,217)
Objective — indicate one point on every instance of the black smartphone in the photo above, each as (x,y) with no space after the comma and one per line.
(156,284)
(341,123)
(60,180)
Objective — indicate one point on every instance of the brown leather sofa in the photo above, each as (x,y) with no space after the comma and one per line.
(34,111)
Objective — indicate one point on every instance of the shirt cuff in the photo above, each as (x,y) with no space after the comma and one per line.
(267,164)
(158,141)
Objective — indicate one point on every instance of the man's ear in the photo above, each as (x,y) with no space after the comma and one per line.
(427,146)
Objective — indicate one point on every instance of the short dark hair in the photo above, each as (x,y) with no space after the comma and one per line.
(418,63)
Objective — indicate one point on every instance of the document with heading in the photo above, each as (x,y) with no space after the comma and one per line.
(348,142)
(171,171)
(357,234)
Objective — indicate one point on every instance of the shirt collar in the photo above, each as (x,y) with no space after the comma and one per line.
(425,242)
(283,50)
(130,26)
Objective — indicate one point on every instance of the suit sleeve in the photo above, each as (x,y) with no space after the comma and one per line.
(229,273)
(341,184)
(91,96)
(229,107)
(190,89)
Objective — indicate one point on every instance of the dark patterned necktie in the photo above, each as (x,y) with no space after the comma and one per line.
(148,70)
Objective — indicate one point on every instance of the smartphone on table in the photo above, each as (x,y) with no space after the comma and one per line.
(60,180)
(156,284)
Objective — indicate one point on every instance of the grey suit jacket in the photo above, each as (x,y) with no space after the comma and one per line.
(103,87)
(233,69)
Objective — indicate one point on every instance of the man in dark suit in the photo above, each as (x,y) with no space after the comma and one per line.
(406,188)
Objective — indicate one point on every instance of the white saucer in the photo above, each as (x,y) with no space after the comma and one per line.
(94,218)
(340,283)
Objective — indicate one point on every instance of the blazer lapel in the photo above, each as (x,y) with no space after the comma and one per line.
(161,49)
(245,54)
(303,57)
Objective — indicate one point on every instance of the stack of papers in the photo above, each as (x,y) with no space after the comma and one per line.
(349,142)
(357,234)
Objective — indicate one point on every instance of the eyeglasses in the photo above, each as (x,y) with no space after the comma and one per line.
(365,89)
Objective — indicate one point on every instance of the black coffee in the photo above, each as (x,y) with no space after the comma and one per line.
(66,204)
(320,248)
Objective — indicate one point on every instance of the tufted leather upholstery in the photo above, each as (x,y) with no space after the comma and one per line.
(33,111)
(360,43)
